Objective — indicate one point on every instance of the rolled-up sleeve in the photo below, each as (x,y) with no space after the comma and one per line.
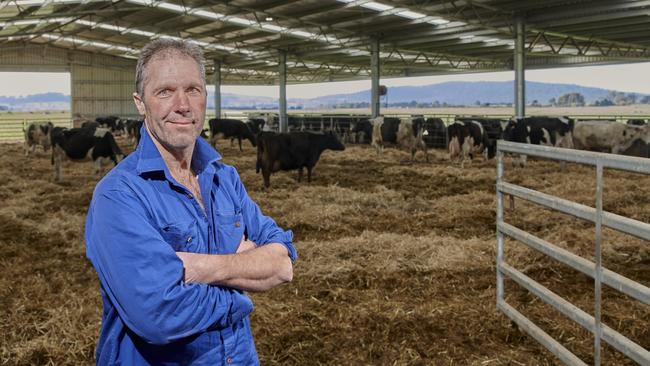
(262,229)
(143,276)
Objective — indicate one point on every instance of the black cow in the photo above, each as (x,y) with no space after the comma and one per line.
(88,124)
(81,143)
(256,125)
(436,136)
(112,123)
(466,139)
(293,150)
(232,129)
(38,133)
(636,122)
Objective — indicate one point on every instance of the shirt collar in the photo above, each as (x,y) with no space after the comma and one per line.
(150,160)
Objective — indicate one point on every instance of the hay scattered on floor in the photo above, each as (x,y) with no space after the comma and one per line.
(396,262)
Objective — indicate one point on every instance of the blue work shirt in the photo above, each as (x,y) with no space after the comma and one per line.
(138,218)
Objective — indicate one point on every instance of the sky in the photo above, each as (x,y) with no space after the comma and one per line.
(626,78)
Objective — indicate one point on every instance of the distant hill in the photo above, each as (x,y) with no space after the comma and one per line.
(35,102)
(230,100)
(453,93)
(467,93)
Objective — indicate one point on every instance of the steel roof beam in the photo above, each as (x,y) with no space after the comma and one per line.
(593,9)
(589,19)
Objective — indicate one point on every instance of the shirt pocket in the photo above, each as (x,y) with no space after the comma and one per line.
(181,236)
(230,230)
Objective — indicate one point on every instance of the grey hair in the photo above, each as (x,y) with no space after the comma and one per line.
(162,47)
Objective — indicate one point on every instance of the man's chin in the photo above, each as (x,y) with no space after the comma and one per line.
(181,144)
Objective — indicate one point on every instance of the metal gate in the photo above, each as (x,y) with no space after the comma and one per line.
(594,269)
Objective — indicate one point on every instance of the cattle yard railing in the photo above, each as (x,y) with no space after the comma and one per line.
(593,269)
(13,129)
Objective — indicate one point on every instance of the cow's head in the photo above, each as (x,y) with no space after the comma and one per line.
(333,142)
(516,130)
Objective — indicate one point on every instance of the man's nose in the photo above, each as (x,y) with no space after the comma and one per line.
(182,102)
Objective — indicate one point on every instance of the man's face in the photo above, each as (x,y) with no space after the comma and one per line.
(174,100)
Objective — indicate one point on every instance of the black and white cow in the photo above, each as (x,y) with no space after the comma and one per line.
(38,133)
(291,151)
(406,132)
(361,131)
(133,127)
(232,129)
(113,123)
(78,144)
(266,121)
(549,131)
(493,129)
(540,130)
(256,125)
(466,140)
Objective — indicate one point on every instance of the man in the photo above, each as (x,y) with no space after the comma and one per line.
(174,236)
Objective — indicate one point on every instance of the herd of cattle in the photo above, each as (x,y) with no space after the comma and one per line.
(466,138)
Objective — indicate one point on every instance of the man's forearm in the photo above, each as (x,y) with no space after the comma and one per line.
(257,269)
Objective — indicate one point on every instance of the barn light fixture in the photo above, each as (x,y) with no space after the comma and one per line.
(438,21)
(269,19)
(241,21)
(42,3)
(391,10)
(376,6)
(207,14)
(410,14)
(24,22)
(467,36)
(300,33)
(172,7)
(274,28)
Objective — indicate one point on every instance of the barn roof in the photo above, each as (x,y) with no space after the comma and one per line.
(329,40)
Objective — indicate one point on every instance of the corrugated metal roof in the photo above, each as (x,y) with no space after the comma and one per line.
(329,40)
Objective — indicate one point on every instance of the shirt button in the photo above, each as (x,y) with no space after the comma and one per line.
(229,360)
(189,195)
(237,224)
(189,239)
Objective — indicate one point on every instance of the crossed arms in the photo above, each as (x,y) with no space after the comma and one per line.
(251,268)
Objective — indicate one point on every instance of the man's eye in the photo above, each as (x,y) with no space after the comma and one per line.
(194,91)
(164,93)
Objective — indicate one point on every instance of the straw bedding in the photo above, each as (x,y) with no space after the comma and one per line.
(397,262)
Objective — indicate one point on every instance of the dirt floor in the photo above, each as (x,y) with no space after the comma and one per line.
(397,262)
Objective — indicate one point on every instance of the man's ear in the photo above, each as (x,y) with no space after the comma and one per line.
(139,103)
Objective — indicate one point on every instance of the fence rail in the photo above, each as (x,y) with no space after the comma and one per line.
(593,269)
(12,129)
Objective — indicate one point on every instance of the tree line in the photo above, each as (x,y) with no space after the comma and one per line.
(613,98)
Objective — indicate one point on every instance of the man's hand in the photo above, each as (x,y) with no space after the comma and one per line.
(195,264)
